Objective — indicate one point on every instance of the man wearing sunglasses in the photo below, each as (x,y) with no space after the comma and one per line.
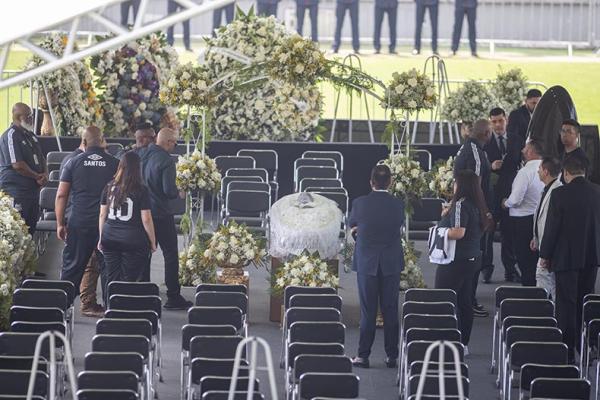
(22,165)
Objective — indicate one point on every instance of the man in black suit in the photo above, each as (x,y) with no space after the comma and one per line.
(422,6)
(173,6)
(518,120)
(462,7)
(340,13)
(377,220)
(313,12)
(266,7)
(571,246)
(125,6)
(504,153)
(391,8)
(229,11)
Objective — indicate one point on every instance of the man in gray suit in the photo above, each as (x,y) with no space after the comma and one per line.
(376,220)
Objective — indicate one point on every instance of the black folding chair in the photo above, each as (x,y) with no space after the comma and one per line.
(430,295)
(36,314)
(210,383)
(214,347)
(260,172)
(224,395)
(320,183)
(23,363)
(338,385)
(216,316)
(103,394)
(66,286)
(225,299)
(315,172)
(220,287)
(448,367)
(188,332)
(248,207)
(432,308)
(317,364)
(16,382)
(122,380)
(312,162)
(529,372)
(576,389)
(224,163)
(267,159)
(120,362)
(335,155)
(316,300)
(290,291)
(133,288)
(589,332)
(431,385)
(204,367)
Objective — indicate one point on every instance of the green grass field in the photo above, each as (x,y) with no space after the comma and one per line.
(580,75)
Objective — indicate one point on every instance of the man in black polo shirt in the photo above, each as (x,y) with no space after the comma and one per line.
(144,135)
(22,165)
(83,178)
(158,169)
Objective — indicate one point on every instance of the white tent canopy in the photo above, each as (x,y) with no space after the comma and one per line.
(26,19)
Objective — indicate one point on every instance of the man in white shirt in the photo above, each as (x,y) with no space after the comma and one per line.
(521,204)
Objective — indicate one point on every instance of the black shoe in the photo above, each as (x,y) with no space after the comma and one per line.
(487,274)
(356,52)
(435,53)
(360,362)
(377,51)
(391,362)
(474,54)
(178,303)
(189,49)
(453,52)
(479,311)
(335,51)
(393,51)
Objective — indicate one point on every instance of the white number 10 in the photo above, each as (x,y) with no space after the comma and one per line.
(119,216)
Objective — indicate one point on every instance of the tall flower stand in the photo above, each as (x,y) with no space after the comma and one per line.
(276,308)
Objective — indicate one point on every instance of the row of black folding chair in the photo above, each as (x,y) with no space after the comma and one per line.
(560,388)
(334,155)
(248,207)
(332,183)
(429,314)
(267,160)
(590,327)
(15,383)
(532,371)
(314,172)
(317,163)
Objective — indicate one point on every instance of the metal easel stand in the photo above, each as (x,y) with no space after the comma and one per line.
(53,364)
(253,343)
(439,75)
(349,60)
(441,346)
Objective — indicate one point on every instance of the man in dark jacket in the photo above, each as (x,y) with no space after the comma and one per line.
(391,8)
(462,7)
(144,135)
(377,220)
(313,11)
(504,153)
(340,13)
(518,120)
(571,246)
(422,6)
(158,168)
(472,156)
(266,8)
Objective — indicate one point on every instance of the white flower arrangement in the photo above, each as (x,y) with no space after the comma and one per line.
(304,270)
(190,85)
(193,270)
(441,179)
(410,91)
(197,172)
(74,101)
(17,254)
(234,246)
(130,79)
(470,102)
(509,88)
(267,109)
(408,178)
(411,276)
(298,60)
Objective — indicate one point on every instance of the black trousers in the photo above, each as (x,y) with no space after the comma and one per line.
(172,7)
(127,265)
(125,6)
(485,262)
(218,13)
(340,13)
(392,13)
(433,17)
(458,276)
(571,288)
(507,249)
(527,259)
(383,291)
(313,12)
(29,210)
(266,9)
(459,15)
(166,237)
(81,243)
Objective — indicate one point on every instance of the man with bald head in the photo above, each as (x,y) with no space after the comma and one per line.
(144,135)
(158,168)
(83,179)
(22,165)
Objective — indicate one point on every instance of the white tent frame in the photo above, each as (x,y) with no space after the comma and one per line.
(188,10)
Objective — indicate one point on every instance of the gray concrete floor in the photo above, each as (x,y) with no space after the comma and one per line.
(376,383)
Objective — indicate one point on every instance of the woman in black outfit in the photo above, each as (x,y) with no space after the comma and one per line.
(126,229)
(463,217)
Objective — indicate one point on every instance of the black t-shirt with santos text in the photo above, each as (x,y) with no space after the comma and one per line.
(123,229)
(88,173)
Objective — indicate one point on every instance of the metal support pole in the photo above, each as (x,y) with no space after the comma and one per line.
(52,117)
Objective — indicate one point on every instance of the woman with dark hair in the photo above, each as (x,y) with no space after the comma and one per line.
(463,218)
(126,228)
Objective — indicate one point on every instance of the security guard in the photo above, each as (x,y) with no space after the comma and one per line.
(422,6)
(340,13)
(313,12)
(22,165)
(83,178)
(462,8)
(229,11)
(266,8)
(144,135)
(158,169)
(391,8)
